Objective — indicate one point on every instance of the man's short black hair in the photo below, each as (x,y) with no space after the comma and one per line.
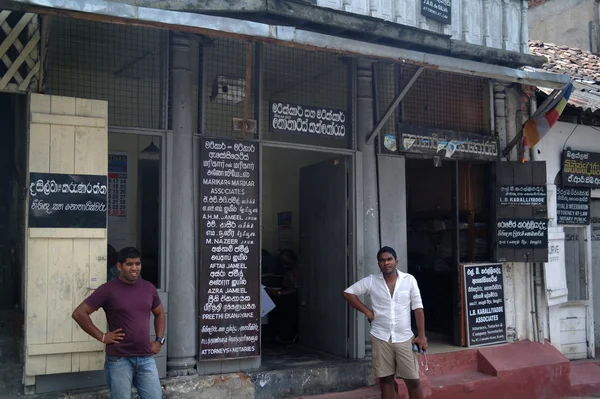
(389,250)
(128,253)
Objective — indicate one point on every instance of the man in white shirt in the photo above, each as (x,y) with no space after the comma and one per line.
(393,295)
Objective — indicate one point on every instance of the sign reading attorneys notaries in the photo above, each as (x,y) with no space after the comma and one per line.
(315,121)
(67,201)
(439,10)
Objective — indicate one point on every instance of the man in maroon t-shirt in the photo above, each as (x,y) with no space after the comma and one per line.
(127,302)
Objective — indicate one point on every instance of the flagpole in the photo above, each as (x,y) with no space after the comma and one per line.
(512,143)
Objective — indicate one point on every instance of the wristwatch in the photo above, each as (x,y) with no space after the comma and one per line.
(161,340)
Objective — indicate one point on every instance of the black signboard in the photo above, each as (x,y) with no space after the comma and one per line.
(229,250)
(580,169)
(522,195)
(446,143)
(439,10)
(522,233)
(484,304)
(572,206)
(315,121)
(67,201)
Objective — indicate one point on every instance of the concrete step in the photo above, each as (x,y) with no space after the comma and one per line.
(11,376)
(465,379)
(585,378)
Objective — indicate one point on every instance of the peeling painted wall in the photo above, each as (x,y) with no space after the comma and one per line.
(491,23)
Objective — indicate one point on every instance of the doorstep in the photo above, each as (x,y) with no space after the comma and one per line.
(288,381)
(523,370)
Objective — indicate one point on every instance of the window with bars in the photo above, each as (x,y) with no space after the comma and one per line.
(224,81)
(309,79)
(290,75)
(446,101)
(120,64)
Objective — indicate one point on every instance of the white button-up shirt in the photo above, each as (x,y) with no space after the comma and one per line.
(392,314)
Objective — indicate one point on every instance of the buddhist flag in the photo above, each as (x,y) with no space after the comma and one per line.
(546,115)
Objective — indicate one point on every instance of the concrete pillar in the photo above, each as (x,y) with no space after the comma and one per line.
(182,336)
(364,124)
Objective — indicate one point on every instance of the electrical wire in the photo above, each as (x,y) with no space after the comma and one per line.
(573,131)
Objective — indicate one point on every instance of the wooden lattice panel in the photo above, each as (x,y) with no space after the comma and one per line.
(19,51)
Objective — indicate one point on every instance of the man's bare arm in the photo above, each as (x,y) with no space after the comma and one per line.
(159,321)
(81,315)
(356,303)
(420,318)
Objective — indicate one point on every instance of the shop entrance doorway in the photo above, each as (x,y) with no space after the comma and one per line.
(305,254)
(449,211)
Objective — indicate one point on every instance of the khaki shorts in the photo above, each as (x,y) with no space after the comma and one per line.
(394,359)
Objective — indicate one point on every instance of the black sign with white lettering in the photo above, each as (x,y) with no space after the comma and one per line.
(67,201)
(229,250)
(522,195)
(572,205)
(484,304)
(522,233)
(315,121)
(580,169)
(446,143)
(439,10)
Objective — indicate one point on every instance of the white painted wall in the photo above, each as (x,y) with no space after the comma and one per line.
(564,329)
(492,23)
(563,22)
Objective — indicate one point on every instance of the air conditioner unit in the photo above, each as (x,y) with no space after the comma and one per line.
(228,90)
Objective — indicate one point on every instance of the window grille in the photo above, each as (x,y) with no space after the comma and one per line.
(446,101)
(120,64)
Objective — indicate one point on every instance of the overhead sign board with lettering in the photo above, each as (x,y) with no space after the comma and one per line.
(301,119)
(67,201)
(229,273)
(580,169)
(484,304)
(438,10)
(446,143)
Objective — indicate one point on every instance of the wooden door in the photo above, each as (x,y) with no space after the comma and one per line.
(63,264)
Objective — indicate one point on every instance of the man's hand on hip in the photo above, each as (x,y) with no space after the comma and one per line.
(370,315)
(114,337)
(155,347)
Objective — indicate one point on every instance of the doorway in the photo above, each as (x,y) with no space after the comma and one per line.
(304,255)
(448,224)
(13,171)
(13,150)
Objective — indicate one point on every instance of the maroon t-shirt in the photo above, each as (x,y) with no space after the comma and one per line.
(127,306)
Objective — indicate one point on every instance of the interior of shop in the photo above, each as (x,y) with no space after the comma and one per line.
(303,201)
(436,247)
(12,210)
(135,201)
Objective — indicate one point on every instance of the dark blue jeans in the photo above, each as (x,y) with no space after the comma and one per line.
(122,373)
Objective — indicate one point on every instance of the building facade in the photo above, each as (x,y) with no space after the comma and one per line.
(219,137)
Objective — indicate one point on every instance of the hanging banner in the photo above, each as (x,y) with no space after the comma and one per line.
(67,201)
(300,119)
(580,169)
